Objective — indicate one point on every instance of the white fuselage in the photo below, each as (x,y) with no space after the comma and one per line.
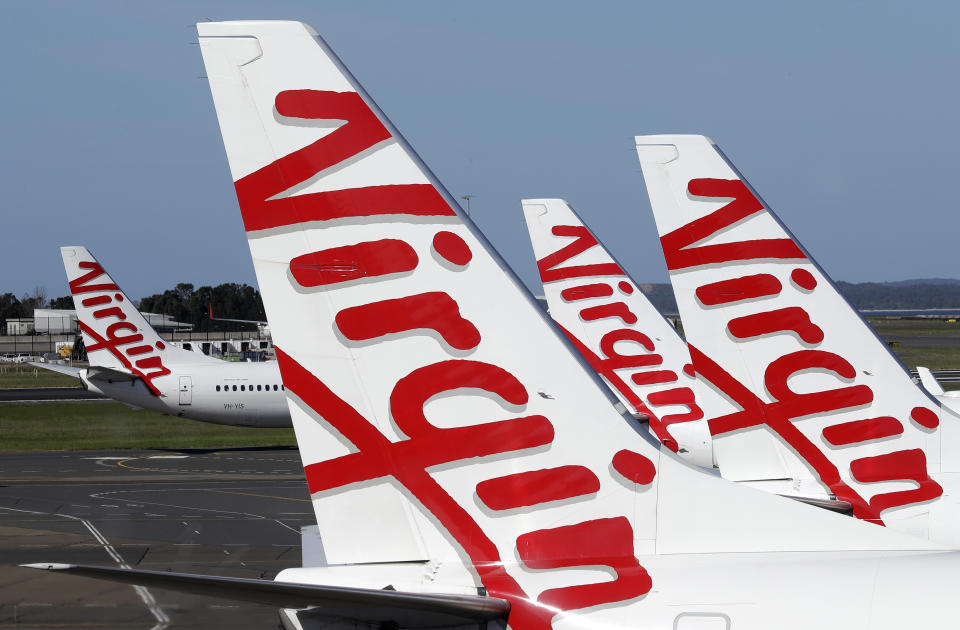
(241,394)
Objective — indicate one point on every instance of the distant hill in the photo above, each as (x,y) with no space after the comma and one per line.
(908,283)
(903,294)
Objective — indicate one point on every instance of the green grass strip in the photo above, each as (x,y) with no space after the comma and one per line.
(111,425)
(16,375)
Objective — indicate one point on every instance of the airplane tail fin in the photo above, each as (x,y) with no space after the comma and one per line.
(929,382)
(621,334)
(807,383)
(115,333)
(443,423)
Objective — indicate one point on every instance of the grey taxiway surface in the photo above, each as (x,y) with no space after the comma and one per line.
(231,512)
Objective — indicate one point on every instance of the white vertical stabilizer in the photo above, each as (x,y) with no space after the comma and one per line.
(806,381)
(116,335)
(620,333)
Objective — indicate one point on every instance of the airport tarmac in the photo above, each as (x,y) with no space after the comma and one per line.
(234,512)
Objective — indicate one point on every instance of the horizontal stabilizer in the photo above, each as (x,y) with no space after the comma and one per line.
(406,610)
(69,370)
(98,373)
(94,372)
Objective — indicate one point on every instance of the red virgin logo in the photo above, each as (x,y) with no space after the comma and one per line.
(682,252)
(120,338)
(436,314)
(647,367)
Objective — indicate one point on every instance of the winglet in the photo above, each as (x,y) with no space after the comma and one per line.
(929,381)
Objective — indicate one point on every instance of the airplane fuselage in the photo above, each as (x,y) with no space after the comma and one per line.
(241,394)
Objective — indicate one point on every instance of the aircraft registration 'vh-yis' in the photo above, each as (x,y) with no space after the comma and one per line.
(466,467)
(129,361)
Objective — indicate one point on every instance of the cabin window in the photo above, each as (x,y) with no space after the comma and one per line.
(259,387)
(218,388)
(274,388)
(283,388)
(243,388)
(234,388)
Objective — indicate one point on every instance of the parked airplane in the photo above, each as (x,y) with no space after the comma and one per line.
(465,465)
(129,361)
(618,331)
(811,400)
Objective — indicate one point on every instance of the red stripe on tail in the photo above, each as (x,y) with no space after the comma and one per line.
(362,131)
(679,246)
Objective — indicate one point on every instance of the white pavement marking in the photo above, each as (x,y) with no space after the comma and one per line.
(278,522)
(103,495)
(145,595)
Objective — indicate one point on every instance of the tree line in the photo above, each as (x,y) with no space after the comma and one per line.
(186,304)
(192,306)
(13,307)
(183,303)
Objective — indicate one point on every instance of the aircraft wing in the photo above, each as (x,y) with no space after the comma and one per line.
(69,370)
(408,610)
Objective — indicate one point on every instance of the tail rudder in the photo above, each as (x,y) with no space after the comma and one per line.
(620,333)
(769,330)
(116,335)
(415,403)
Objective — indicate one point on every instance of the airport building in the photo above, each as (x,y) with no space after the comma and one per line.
(54,333)
(51,321)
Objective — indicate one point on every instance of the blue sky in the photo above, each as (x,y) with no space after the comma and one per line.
(843,115)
